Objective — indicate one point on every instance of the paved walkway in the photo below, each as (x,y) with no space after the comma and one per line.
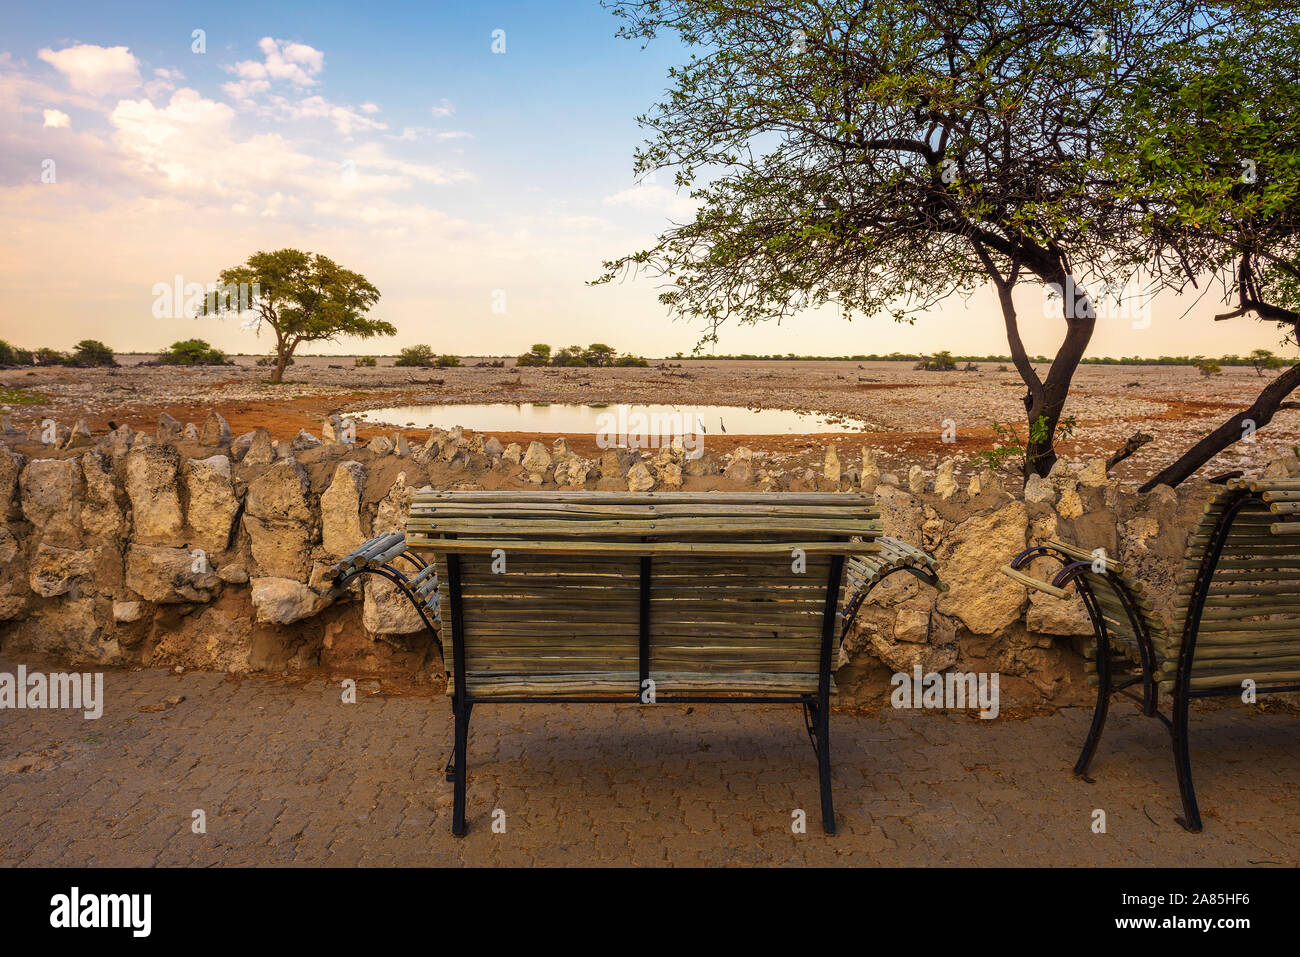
(285,773)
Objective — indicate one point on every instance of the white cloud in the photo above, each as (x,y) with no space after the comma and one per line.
(454,135)
(296,63)
(444,107)
(57,119)
(369,108)
(164,81)
(99,71)
(654,198)
(345,119)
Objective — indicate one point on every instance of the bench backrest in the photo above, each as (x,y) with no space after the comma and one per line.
(589,593)
(1249,599)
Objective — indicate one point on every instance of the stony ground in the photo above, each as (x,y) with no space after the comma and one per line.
(904,411)
(288,774)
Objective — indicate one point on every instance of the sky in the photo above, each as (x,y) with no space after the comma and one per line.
(479,189)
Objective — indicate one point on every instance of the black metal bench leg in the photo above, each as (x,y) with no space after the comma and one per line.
(458,772)
(1191,819)
(824,767)
(1099,714)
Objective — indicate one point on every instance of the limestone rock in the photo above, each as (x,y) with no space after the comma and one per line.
(169,575)
(394,508)
(169,430)
(51,489)
(831,467)
(870,477)
(151,485)
(102,510)
(79,437)
(278,518)
(125,612)
(340,509)
(216,430)
(1093,475)
(705,463)
(11,465)
(536,459)
(261,451)
(639,478)
(334,432)
(304,440)
(1048,615)
(915,480)
(945,485)
(60,571)
(282,601)
(513,453)
(213,504)
(233,572)
(1069,505)
(1038,489)
(741,467)
(982,598)
(191,432)
(386,611)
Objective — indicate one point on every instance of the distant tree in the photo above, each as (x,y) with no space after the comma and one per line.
(192,352)
(1263,359)
(447,361)
(539,355)
(599,354)
(302,297)
(360,361)
(1207,367)
(49,357)
(569,356)
(419,355)
(13,356)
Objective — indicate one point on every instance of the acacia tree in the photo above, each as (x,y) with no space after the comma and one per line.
(1212,145)
(302,297)
(884,156)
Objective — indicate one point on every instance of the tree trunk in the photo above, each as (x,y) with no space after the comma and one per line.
(1234,430)
(1044,399)
(281,360)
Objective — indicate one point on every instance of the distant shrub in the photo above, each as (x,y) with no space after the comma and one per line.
(939,362)
(270,361)
(446,362)
(13,356)
(627,359)
(1207,367)
(538,355)
(420,355)
(91,352)
(364,361)
(49,357)
(192,352)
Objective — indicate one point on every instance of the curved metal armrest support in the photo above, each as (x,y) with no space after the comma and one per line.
(924,573)
(376,557)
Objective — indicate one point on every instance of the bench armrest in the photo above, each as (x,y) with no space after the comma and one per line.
(1030,582)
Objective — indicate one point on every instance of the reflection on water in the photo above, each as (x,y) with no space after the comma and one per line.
(566,419)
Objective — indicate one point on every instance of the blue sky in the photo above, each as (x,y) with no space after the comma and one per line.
(390,137)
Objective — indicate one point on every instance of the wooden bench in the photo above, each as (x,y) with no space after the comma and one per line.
(1236,616)
(664,597)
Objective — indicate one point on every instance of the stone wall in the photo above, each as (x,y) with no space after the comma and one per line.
(191,549)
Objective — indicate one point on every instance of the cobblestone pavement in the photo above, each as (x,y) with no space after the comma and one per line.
(289,775)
